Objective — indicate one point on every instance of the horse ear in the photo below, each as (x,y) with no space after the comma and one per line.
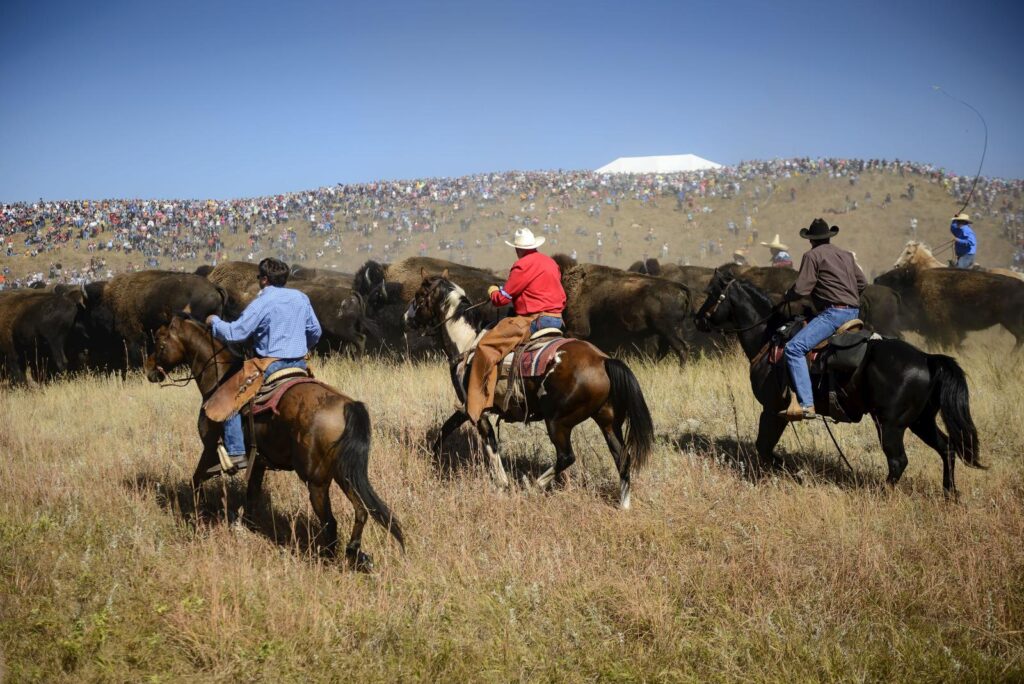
(423,273)
(444,274)
(188,309)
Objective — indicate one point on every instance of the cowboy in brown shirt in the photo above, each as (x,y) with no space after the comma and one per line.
(834,282)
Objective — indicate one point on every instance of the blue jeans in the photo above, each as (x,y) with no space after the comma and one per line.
(965,261)
(546,322)
(819,328)
(234,437)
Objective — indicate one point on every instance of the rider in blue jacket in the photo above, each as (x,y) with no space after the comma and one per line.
(966,244)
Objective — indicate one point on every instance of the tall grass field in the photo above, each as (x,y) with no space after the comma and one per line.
(721,571)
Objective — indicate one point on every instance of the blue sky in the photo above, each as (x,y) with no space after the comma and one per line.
(231,99)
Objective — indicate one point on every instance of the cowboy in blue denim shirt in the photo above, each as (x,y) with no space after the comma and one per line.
(282,325)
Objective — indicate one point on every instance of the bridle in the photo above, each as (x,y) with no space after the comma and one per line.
(183,381)
(430,330)
(721,298)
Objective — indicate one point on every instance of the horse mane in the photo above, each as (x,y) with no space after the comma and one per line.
(757,294)
(195,327)
(917,255)
(462,310)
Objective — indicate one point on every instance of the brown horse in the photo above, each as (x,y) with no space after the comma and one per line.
(318,432)
(583,383)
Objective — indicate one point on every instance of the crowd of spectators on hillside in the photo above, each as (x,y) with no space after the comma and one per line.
(383,218)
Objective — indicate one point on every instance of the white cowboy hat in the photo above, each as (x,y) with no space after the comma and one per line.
(524,239)
(775,244)
(962,218)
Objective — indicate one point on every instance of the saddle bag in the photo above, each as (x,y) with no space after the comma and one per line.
(236,391)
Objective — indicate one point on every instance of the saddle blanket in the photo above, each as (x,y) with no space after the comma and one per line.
(534,358)
(271,395)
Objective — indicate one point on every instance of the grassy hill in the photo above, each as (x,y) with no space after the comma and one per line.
(875,231)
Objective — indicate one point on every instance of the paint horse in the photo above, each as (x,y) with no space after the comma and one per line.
(581,383)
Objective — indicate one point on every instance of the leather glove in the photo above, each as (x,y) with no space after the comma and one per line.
(492,289)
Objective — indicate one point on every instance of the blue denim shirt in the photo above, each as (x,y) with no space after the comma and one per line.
(280,321)
(966,243)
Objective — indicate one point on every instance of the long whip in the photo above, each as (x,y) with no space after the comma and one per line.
(983,151)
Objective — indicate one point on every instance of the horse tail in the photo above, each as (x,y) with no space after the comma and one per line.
(628,399)
(950,383)
(351,465)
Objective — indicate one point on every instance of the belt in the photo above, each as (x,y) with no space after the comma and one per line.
(841,306)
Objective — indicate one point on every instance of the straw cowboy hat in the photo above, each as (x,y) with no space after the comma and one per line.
(819,230)
(524,239)
(962,218)
(775,244)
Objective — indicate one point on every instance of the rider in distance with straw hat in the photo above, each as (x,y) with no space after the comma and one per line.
(534,288)
(834,281)
(780,253)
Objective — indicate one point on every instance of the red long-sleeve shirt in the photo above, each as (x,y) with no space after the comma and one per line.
(534,286)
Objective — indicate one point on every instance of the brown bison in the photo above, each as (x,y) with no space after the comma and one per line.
(238,278)
(139,303)
(917,255)
(341,312)
(943,304)
(34,328)
(879,306)
(389,288)
(696,278)
(403,278)
(772,279)
(616,309)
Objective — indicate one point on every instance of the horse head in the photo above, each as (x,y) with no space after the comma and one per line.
(714,312)
(168,351)
(916,255)
(434,302)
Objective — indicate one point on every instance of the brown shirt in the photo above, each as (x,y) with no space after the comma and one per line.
(830,276)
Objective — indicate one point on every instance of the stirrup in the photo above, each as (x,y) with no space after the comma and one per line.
(228,465)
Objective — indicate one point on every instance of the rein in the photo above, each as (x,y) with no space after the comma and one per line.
(434,328)
(721,298)
(184,381)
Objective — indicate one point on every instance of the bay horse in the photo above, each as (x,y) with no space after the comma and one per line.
(898,385)
(583,383)
(317,431)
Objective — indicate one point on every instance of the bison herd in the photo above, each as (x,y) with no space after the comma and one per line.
(109,325)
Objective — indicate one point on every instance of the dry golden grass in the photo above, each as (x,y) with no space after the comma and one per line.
(717,573)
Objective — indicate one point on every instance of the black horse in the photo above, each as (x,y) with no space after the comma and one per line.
(898,385)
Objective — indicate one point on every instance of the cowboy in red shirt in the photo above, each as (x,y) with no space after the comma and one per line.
(534,288)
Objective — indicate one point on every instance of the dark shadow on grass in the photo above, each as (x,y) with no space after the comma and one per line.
(463,452)
(741,456)
(220,503)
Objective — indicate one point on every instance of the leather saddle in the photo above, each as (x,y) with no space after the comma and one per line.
(833,365)
(249,385)
(776,348)
(530,359)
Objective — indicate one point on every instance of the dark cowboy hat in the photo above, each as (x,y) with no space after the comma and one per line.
(819,230)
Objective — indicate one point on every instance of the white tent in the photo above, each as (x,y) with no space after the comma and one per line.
(662,164)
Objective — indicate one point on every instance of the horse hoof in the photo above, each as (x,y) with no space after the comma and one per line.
(360,562)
